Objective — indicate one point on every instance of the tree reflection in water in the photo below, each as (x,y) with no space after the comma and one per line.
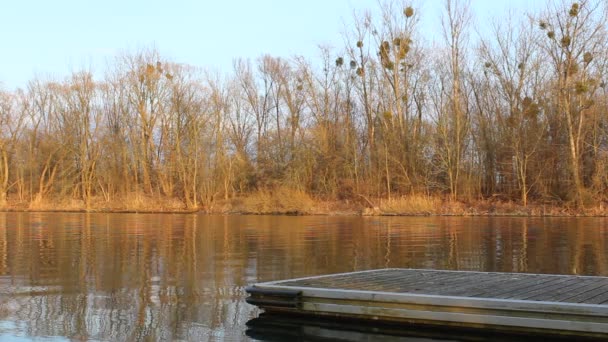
(169,277)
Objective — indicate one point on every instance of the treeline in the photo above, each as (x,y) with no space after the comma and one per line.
(517,112)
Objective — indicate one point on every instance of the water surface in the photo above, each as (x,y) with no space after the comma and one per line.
(115,277)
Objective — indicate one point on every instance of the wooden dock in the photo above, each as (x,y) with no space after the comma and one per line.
(559,305)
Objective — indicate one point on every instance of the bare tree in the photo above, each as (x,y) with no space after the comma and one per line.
(510,119)
(451,102)
(11,124)
(575,37)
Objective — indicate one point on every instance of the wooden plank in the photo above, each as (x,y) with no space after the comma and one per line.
(506,289)
(456,317)
(391,280)
(437,285)
(414,284)
(331,280)
(488,288)
(504,285)
(435,300)
(368,281)
(469,286)
(524,293)
(373,281)
(436,282)
(582,297)
(548,289)
(506,292)
(547,304)
(444,283)
(361,279)
(367,297)
(426,282)
(565,292)
(454,283)
(599,299)
(391,284)
(433,282)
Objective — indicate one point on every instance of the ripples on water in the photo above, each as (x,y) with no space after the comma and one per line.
(132,277)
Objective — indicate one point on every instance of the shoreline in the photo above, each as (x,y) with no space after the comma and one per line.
(437,208)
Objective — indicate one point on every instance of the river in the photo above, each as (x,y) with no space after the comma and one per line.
(167,277)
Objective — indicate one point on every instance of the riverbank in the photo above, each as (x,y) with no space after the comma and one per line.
(286,201)
(289,202)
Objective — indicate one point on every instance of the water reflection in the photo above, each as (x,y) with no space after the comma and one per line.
(283,328)
(182,277)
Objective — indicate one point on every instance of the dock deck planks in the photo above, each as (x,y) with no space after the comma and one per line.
(517,302)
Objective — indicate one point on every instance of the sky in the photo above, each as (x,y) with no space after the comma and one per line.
(51,39)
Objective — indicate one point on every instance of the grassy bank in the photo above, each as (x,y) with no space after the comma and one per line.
(285,201)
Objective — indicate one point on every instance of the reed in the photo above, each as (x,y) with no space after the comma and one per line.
(282,200)
(411,205)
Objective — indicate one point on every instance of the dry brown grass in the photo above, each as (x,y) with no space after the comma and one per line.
(285,200)
(141,202)
(66,204)
(282,200)
(130,202)
(411,205)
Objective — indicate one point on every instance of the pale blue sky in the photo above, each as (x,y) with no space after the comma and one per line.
(54,37)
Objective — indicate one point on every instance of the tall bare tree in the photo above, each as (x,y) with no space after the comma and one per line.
(575,37)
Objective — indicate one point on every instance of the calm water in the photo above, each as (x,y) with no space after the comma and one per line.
(115,277)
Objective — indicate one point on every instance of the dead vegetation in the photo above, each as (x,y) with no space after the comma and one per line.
(508,122)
